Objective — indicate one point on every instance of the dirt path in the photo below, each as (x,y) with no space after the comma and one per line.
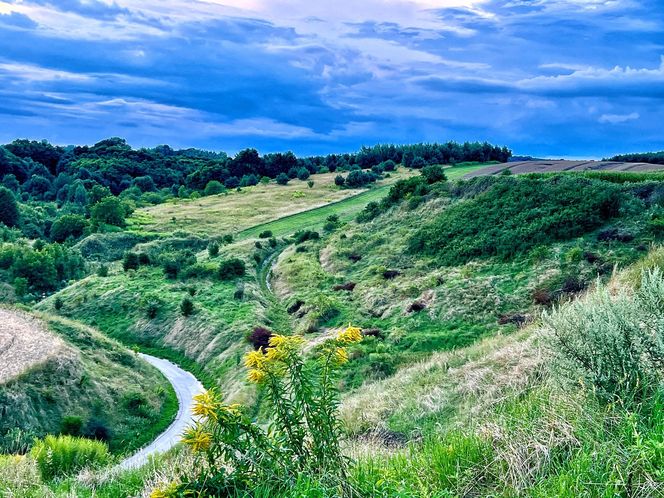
(186,387)
(24,343)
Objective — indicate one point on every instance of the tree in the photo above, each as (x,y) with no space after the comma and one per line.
(130,261)
(433,174)
(213,188)
(231,268)
(110,211)
(68,225)
(232,182)
(303,174)
(9,214)
(339,180)
(283,179)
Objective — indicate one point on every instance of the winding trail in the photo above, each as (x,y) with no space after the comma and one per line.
(186,387)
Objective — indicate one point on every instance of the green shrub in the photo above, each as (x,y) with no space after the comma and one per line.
(186,306)
(68,225)
(213,249)
(433,174)
(130,261)
(9,213)
(71,425)
(58,304)
(231,269)
(102,271)
(516,214)
(265,234)
(282,179)
(614,343)
(61,456)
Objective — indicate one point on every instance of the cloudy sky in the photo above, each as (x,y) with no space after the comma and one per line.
(557,78)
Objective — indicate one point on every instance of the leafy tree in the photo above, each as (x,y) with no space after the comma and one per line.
(145,183)
(97,193)
(283,179)
(433,174)
(232,182)
(339,180)
(9,213)
(213,188)
(303,174)
(68,225)
(110,211)
(231,269)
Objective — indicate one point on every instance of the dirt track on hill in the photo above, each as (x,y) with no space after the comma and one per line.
(24,343)
(558,166)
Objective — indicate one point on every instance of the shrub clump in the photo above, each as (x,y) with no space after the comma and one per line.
(260,338)
(231,268)
(515,215)
(61,456)
(613,343)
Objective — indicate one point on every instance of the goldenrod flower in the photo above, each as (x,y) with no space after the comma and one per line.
(341,355)
(350,335)
(168,492)
(278,340)
(254,359)
(256,376)
(275,354)
(197,438)
(206,405)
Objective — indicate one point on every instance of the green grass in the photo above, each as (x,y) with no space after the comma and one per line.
(94,382)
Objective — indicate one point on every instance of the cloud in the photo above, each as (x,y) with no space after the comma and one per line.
(618,118)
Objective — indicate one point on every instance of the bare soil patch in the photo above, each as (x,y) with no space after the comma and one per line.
(24,343)
(522,167)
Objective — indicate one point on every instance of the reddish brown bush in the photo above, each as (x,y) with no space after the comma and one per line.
(348,286)
(543,297)
(416,306)
(260,338)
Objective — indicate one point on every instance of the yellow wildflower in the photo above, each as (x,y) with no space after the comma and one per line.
(275,354)
(207,404)
(341,355)
(197,438)
(169,491)
(278,340)
(254,359)
(350,335)
(256,376)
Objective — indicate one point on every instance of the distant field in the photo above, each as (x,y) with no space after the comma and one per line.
(562,166)
(237,211)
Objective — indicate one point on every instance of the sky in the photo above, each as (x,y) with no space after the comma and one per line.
(548,78)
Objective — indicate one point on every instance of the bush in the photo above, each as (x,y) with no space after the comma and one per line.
(282,179)
(303,174)
(71,425)
(186,306)
(68,225)
(433,174)
(231,269)
(9,213)
(265,234)
(62,456)
(515,215)
(304,435)
(130,261)
(58,304)
(109,211)
(305,235)
(339,181)
(259,338)
(613,343)
(213,249)
(213,187)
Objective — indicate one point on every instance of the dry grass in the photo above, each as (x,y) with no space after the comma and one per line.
(235,211)
(522,167)
(467,382)
(24,343)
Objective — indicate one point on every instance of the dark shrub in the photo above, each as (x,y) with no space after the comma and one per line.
(303,174)
(517,319)
(377,333)
(231,269)
(433,174)
(198,270)
(573,285)
(609,234)
(187,306)
(305,235)
(272,242)
(416,306)
(227,239)
(143,258)
(282,179)
(213,249)
(389,165)
(152,309)
(591,257)
(265,234)
(391,274)
(97,429)
(543,296)
(339,181)
(300,249)
(68,225)
(260,338)
(295,307)
(348,286)
(102,271)
(258,245)
(130,261)
(71,425)
(354,257)
(58,304)
(238,295)
(171,267)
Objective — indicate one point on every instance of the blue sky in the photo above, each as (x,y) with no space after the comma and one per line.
(555,78)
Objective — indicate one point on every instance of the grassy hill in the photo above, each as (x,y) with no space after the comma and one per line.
(90,386)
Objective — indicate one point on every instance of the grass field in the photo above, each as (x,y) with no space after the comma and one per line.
(252,206)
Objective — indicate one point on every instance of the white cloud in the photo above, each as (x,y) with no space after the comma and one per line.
(618,118)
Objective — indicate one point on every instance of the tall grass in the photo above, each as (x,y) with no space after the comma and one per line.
(61,456)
